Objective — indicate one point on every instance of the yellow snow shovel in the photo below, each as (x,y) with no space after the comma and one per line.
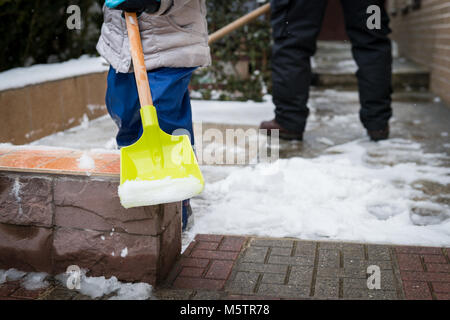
(158,168)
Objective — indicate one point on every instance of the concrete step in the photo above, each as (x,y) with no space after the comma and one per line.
(333,66)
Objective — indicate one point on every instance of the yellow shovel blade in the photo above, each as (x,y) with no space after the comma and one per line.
(158,168)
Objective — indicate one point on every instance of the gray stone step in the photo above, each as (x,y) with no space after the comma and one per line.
(333,66)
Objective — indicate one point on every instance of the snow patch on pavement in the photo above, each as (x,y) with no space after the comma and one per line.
(35,281)
(89,135)
(11,275)
(96,287)
(359,191)
(232,112)
(29,281)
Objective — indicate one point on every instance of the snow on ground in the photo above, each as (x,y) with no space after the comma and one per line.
(21,77)
(231,112)
(99,134)
(10,275)
(35,281)
(359,191)
(30,281)
(92,135)
(94,287)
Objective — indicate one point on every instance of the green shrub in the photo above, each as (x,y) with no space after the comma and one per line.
(35,31)
(251,43)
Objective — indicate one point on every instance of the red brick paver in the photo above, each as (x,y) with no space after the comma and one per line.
(232,244)
(438,267)
(207,263)
(442,296)
(419,250)
(27,294)
(207,245)
(219,269)
(410,262)
(191,272)
(198,283)
(215,255)
(208,238)
(415,290)
(8,288)
(434,258)
(191,262)
(425,272)
(441,287)
(425,276)
(14,291)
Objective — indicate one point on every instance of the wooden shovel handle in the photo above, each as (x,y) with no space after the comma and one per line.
(239,23)
(137,55)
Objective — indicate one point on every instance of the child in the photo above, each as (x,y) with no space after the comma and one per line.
(175,42)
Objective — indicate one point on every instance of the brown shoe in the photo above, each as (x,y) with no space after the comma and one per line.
(284,134)
(378,135)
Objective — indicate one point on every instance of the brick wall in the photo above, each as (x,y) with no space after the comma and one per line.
(35,111)
(423,35)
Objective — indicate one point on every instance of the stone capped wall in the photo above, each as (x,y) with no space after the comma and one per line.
(51,219)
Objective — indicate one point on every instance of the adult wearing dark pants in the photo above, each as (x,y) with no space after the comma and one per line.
(296,25)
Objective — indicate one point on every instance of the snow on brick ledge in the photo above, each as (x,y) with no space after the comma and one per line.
(54,214)
(45,99)
(22,77)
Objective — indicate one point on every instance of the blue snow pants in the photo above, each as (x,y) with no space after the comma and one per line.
(170,93)
(169,87)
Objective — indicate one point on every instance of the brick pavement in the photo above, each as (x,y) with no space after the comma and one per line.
(312,270)
(295,269)
(425,272)
(233,267)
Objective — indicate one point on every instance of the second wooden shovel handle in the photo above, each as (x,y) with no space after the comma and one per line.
(239,23)
(137,55)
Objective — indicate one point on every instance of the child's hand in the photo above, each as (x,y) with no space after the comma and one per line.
(149,6)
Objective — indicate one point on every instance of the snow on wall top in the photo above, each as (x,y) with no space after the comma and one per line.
(21,77)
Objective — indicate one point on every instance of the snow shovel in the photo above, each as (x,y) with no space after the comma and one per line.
(158,168)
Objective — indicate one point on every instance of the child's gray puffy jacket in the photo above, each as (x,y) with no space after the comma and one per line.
(176,36)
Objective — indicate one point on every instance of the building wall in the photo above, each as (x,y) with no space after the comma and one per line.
(35,111)
(423,35)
